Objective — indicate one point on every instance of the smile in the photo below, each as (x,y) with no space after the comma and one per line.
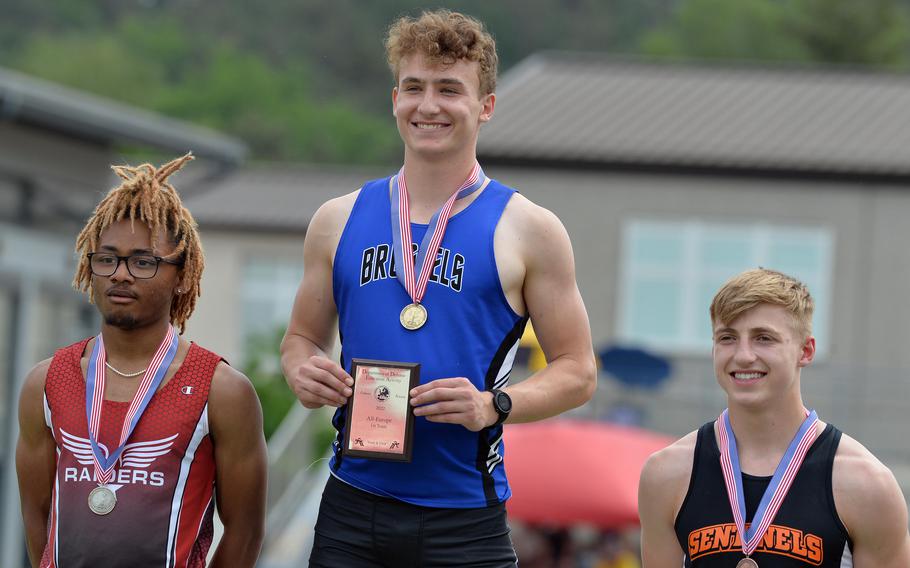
(747,375)
(428,126)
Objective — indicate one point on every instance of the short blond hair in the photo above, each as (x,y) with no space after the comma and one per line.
(763,286)
(444,37)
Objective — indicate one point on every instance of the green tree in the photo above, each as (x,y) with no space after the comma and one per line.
(874,33)
(264,371)
(720,29)
(96,64)
(263,367)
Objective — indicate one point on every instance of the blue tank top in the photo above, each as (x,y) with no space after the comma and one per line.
(471,332)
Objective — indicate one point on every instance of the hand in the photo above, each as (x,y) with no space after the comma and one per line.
(454,401)
(321,381)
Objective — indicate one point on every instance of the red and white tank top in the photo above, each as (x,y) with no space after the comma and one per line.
(164,480)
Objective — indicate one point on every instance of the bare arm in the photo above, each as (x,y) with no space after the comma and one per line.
(241,460)
(664,481)
(872,508)
(36,461)
(560,321)
(314,378)
(537,268)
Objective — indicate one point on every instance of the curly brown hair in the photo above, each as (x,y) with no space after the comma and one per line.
(145,195)
(444,37)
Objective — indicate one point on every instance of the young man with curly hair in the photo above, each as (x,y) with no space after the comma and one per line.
(129,440)
(768,484)
(487,260)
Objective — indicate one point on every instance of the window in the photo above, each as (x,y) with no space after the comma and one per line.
(269,286)
(671,271)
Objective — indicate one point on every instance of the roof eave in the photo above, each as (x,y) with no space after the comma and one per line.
(47,105)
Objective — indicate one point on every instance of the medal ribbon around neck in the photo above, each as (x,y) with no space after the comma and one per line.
(401,238)
(780,483)
(94,399)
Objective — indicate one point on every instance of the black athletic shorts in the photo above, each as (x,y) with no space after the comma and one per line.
(358,529)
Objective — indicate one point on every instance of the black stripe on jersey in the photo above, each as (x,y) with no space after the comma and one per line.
(338,420)
(487,437)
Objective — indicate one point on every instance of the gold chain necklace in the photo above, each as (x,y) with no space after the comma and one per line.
(122,374)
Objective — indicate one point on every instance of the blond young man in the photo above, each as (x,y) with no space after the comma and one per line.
(487,260)
(129,440)
(768,484)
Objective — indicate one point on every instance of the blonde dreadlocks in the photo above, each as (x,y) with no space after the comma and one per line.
(145,195)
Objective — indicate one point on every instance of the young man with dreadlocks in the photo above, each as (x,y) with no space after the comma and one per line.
(487,260)
(128,440)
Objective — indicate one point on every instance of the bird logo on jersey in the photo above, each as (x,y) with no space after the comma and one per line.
(133,464)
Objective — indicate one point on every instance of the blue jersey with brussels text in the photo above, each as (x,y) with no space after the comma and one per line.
(471,331)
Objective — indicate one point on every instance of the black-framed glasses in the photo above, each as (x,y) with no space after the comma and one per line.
(142,266)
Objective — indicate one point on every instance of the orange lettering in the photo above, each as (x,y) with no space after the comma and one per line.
(785,540)
(816,548)
(707,539)
(725,535)
(799,544)
(694,539)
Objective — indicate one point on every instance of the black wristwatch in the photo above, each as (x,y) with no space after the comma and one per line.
(502,403)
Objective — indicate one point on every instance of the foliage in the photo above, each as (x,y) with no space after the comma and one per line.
(155,64)
(263,368)
(306,80)
(720,29)
(872,34)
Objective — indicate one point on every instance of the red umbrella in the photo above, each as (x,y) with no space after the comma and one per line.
(565,472)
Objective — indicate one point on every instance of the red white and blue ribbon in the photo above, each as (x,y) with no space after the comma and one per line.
(416,287)
(776,491)
(94,399)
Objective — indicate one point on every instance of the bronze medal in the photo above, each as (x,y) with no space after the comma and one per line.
(747,563)
(413,316)
(102,500)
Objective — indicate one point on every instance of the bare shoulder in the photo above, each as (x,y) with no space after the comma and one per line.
(536,233)
(335,211)
(231,393)
(863,486)
(857,469)
(671,467)
(35,381)
(325,227)
(530,219)
(37,376)
(31,398)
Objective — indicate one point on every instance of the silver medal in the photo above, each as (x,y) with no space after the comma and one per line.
(102,500)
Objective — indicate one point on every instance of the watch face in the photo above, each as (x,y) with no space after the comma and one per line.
(503,402)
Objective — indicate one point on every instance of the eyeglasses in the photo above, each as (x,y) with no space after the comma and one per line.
(142,266)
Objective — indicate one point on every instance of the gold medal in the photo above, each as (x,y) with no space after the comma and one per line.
(413,316)
(102,500)
(747,563)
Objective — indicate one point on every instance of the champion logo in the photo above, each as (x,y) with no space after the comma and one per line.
(186,389)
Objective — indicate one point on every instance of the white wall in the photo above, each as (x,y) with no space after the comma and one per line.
(217,322)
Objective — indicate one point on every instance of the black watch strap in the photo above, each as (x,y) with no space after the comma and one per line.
(502,404)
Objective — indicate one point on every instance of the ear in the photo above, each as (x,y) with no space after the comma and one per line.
(395,101)
(807,353)
(182,286)
(489,103)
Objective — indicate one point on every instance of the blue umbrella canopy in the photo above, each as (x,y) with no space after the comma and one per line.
(634,367)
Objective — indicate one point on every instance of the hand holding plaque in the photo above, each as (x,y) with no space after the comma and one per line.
(379,419)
